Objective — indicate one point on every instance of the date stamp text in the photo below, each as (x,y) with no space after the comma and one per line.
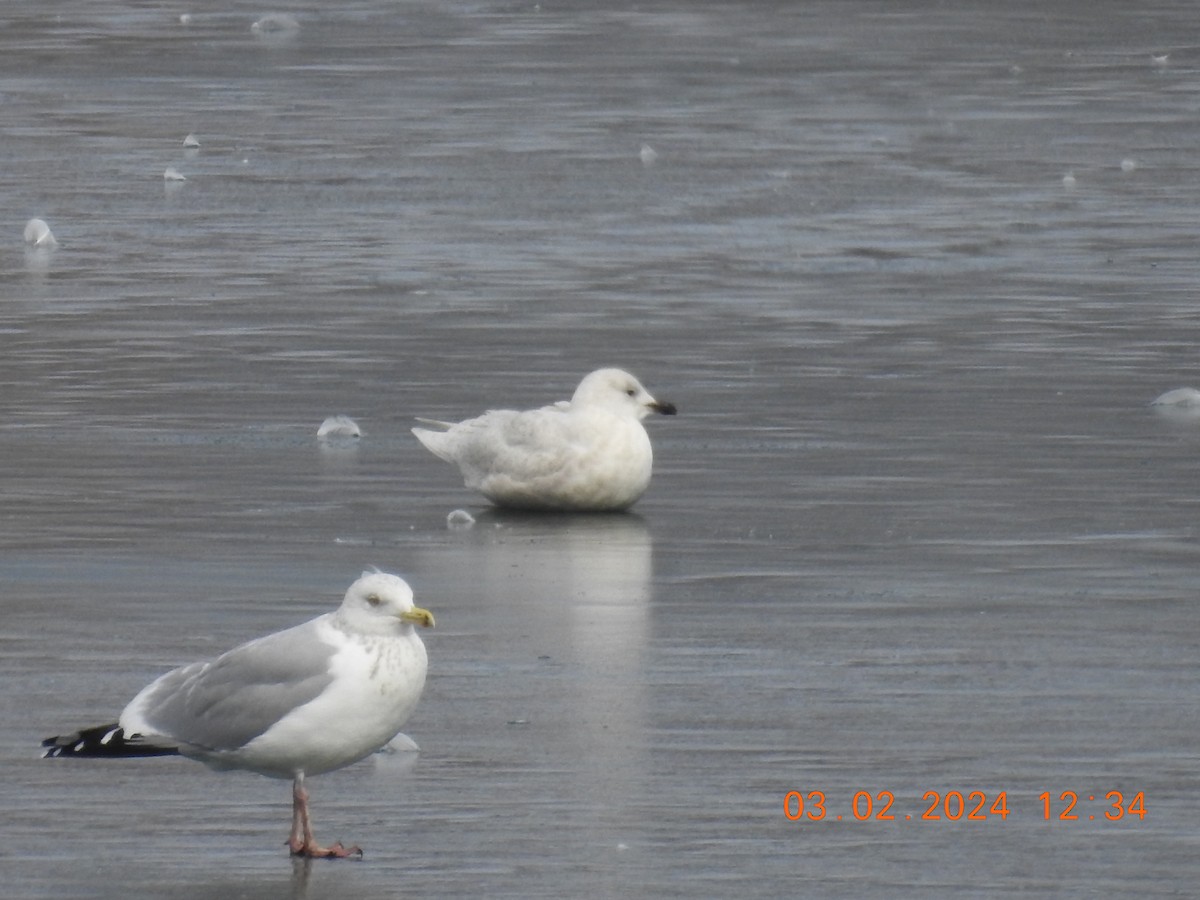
(964,806)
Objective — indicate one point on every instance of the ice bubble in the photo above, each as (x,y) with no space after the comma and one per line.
(1068,180)
(38,233)
(173,174)
(185,18)
(1128,165)
(401,743)
(460,518)
(1160,59)
(339,426)
(276,25)
(191,142)
(1180,398)
(1181,405)
(648,155)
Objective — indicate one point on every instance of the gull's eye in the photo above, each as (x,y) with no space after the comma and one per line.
(630,392)
(373,599)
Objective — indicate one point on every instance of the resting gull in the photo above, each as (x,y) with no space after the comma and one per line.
(298,702)
(591,454)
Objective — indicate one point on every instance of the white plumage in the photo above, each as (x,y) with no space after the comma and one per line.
(589,454)
(298,702)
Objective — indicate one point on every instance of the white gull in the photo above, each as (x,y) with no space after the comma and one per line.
(591,454)
(299,702)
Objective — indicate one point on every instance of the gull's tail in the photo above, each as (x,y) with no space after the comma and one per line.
(439,443)
(103,741)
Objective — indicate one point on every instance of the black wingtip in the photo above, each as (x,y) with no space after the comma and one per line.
(101,742)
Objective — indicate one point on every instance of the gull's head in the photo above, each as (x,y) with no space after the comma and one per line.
(618,390)
(378,601)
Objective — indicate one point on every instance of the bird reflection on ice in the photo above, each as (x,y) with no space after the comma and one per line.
(569,596)
(273,884)
(586,577)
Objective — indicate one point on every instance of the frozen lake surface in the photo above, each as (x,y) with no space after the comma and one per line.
(912,277)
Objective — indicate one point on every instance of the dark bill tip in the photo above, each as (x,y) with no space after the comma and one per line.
(664,407)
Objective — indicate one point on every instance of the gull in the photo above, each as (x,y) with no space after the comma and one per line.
(299,702)
(591,454)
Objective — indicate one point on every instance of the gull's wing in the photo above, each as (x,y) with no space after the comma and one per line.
(518,447)
(224,704)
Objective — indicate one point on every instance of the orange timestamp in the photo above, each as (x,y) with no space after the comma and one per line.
(971,806)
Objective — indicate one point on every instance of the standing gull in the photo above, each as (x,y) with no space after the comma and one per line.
(299,702)
(591,454)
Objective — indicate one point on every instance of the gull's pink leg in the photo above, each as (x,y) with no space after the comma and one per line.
(299,813)
(301,841)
